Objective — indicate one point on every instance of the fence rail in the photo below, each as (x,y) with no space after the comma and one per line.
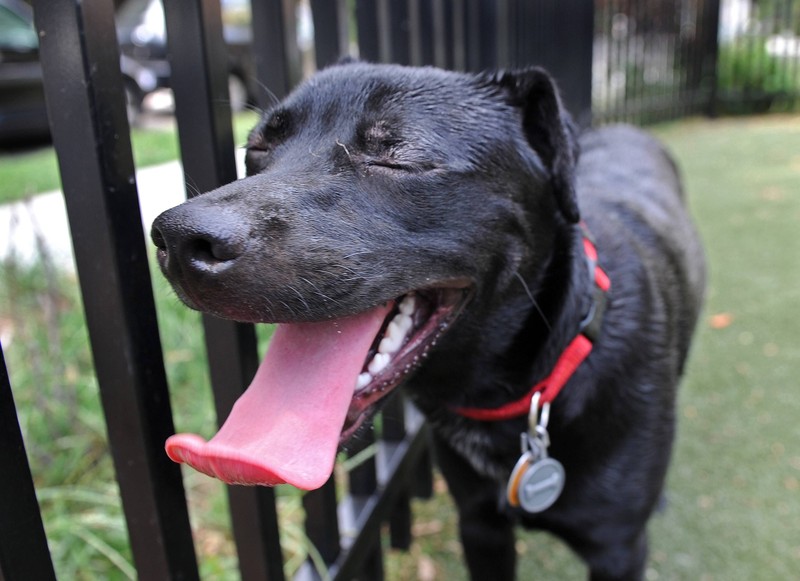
(639,61)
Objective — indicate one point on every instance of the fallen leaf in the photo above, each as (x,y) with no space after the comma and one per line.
(720,320)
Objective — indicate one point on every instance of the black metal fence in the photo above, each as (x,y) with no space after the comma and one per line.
(656,60)
(617,59)
(86,104)
(759,57)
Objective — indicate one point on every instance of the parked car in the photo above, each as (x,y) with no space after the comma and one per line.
(142,36)
(143,61)
(22,108)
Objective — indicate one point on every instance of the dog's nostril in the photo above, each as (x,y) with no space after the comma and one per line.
(195,239)
(158,238)
(211,251)
(214,250)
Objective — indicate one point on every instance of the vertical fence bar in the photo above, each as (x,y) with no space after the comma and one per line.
(330,44)
(542,26)
(632,55)
(199,74)
(459,41)
(274,48)
(86,105)
(437,31)
(394,430)
(363,480)
(445,33)
(710,50)
(426,32)
(417,39)
(23,546)
(399,33)
(322,525)
(793,16)
(488,15)
(473,42)
(367,28)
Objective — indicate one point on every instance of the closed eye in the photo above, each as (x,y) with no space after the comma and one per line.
(395,165)
(391,164)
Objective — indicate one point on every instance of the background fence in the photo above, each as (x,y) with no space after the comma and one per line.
(759,57)
(614,60)
(656,60)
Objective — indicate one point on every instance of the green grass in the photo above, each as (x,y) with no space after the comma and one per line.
(734,487)
(31,171)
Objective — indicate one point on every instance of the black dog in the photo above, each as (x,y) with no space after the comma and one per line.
(434,229)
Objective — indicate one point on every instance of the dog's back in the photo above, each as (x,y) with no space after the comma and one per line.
(631,195)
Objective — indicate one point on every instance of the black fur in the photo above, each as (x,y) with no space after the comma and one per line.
(371,181)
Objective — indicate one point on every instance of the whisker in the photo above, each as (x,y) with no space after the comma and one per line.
(316,288)
(533,300)
(302,298)
(272,96)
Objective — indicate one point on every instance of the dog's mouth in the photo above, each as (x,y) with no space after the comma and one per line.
(318,383)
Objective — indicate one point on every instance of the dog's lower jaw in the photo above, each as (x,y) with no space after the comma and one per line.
(409,333)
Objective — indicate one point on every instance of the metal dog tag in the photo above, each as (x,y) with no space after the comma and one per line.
(541,485)
(537,480)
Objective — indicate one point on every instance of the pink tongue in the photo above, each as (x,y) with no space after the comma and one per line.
(286,426)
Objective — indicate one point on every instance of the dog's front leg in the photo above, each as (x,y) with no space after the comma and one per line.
(487,534)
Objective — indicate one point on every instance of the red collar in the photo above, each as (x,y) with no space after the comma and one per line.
(575,353)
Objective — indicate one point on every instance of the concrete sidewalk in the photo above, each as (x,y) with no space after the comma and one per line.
(40,223)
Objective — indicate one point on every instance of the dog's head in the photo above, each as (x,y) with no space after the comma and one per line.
(379,202)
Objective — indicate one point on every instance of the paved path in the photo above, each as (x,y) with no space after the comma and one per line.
(41,221)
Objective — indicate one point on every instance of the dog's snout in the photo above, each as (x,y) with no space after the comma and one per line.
(198,240)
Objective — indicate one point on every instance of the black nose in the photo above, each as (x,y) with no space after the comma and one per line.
(199,239)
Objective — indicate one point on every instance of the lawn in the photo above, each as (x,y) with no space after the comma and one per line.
(734,487)
(34,170)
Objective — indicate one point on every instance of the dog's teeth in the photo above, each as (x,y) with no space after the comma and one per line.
(395,334)
(408,304)
(405,322)
(378,363)
(390,344)
(363,380)
(392,341)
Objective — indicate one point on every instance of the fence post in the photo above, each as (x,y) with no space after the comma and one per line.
(86,106)
(322,525)
(541,30)
(331,28)
(277,67)
(363,481)
(23,545)
(394,430)
(710,51)
(199,74)
(368,31)
(399,31)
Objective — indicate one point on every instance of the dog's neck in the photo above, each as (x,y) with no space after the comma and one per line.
(569,359)
(548,315)
(561,304)
(555,319)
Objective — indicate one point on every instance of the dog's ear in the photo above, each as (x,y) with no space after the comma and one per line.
(548,128)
